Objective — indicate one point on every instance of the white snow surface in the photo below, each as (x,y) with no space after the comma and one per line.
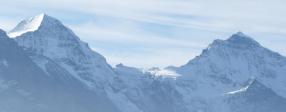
(28,25)
(163,72)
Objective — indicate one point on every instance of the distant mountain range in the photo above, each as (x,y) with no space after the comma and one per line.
(45,67)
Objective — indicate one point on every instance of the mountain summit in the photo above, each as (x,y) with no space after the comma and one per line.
(53,40)
(242,39)
(36,23)
(27,25)
(238,40)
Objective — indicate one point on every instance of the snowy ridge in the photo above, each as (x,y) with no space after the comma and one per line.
(28,25)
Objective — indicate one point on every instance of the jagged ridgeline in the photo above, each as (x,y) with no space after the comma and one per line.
(45,67)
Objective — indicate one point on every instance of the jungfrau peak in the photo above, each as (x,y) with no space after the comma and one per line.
(230,64)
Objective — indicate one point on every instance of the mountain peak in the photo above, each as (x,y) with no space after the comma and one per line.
(242,39)
(237,40)
(241,34)
(32,24)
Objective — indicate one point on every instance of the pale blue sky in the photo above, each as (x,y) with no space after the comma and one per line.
(145,33)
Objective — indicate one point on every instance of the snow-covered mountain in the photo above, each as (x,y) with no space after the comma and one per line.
(237,75)
(25,87)
(48,66)
(231,67)
(232,62)
(46,37)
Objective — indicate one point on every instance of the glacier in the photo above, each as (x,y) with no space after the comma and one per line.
(44,67)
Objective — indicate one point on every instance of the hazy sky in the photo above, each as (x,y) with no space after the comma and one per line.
(145,33)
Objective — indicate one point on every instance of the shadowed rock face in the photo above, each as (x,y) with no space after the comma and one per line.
(257,98)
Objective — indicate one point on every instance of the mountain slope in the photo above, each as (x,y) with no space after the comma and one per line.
(231,63)
(227,66)
(53,43)
(148,91)
(57,50)
(53,40)
(26,87)
(257,98)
